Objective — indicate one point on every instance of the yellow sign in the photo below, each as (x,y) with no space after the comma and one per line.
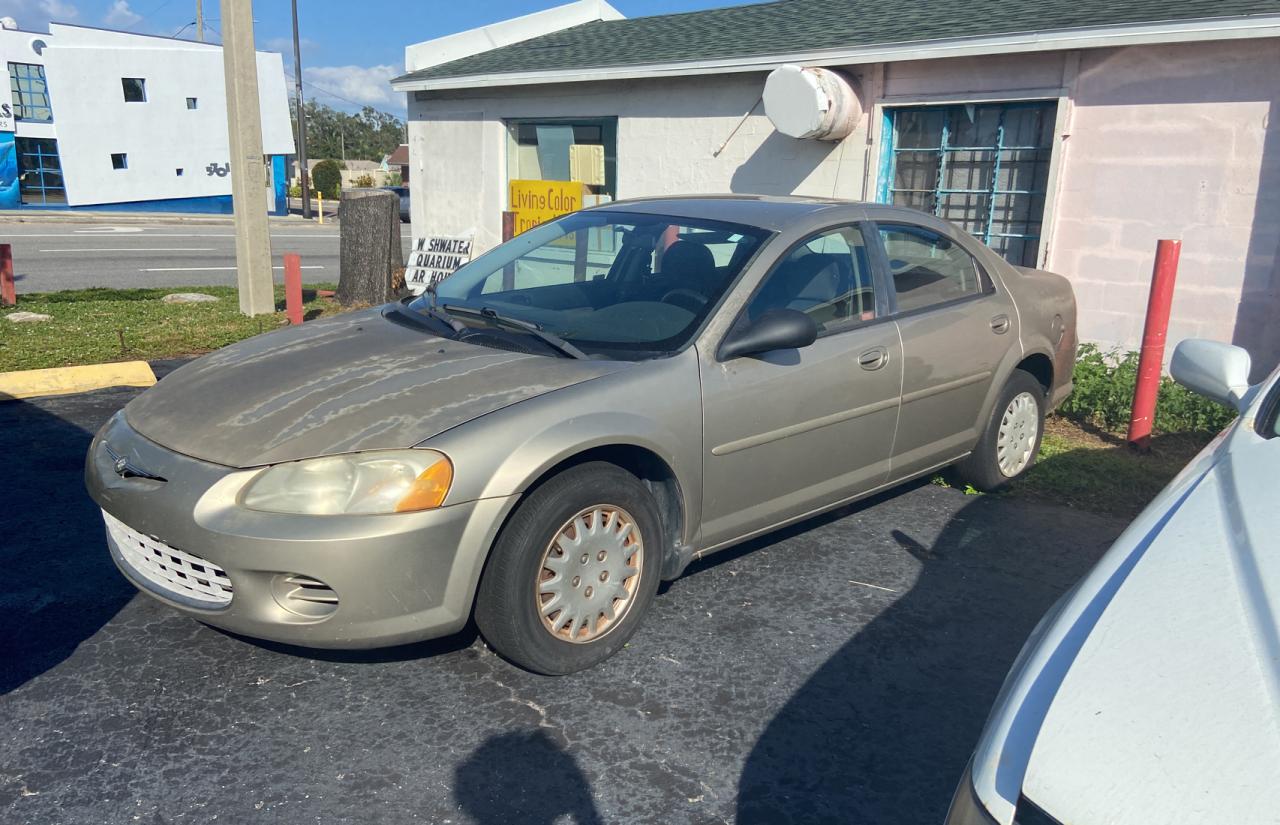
(538,201)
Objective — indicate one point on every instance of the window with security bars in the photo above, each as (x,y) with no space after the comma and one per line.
(983,166)
(30,93)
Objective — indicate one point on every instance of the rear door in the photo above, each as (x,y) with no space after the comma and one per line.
(791,431)
(957,324)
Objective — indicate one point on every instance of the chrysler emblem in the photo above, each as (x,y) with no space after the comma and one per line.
(125,468)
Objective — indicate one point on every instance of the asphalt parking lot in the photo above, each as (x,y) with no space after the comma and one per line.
(838,671)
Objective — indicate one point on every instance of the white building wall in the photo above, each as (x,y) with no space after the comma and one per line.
(695,135)
(84,69)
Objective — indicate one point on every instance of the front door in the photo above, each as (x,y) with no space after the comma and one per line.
(791,431)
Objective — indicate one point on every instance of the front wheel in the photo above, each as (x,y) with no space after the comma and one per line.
(1011,440)
(573,572)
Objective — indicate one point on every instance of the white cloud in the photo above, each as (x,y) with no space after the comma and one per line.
(120,16)
(58,10)
(36,14)
(365,85)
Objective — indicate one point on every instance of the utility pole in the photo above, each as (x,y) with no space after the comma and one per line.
(200,20)
(248,172)
(303,177)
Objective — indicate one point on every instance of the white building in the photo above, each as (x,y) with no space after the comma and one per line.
(1067,136)
(109,120)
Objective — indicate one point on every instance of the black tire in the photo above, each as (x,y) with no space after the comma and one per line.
(507,604)
(982,467)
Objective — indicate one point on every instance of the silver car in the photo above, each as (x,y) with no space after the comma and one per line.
(544,436)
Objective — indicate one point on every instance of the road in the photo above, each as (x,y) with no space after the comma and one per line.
(60,255)
(836,671)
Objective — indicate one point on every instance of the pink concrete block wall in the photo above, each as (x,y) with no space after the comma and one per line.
(1177,141)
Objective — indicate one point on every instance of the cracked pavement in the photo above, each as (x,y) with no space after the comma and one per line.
(836,671)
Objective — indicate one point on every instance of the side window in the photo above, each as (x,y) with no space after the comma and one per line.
(928,268)
(828,277)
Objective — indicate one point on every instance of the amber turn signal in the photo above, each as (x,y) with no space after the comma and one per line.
(428,489)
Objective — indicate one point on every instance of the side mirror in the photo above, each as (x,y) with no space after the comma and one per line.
(774,330)
(1218,371)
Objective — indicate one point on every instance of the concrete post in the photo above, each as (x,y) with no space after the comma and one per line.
(248,172)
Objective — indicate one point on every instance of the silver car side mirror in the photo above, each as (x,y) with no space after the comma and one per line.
(1217,371)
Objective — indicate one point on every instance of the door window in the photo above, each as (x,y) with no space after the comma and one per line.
(928,268)
(827,277)
(40,171)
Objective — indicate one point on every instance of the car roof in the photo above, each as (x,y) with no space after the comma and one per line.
(765,211)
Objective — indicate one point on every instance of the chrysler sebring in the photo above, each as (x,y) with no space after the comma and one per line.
(541,438)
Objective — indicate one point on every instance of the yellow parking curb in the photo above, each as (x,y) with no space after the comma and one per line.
(68,380)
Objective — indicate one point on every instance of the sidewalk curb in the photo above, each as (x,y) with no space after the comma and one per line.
(71,380)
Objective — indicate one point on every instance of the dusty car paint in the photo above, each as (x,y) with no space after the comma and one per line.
(732,448)
(352,383)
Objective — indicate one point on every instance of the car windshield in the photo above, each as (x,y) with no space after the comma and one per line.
(611,284)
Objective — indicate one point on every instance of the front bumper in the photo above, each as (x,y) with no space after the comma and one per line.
(397,578)
(966,807)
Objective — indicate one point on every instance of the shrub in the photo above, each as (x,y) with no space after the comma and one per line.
(365,181)
(295,191)
(1103,396)
(327,178)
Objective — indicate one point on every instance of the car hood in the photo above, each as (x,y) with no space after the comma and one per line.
(1170,710)
(356,382)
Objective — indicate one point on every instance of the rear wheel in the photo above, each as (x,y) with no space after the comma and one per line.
(573,572)
(1011,440)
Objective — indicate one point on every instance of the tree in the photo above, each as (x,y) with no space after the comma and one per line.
(326,177)
(368,135)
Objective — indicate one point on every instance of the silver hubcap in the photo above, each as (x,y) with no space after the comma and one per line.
(1019,427)
(589,574)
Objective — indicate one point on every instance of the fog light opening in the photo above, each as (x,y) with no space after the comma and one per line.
(304,595)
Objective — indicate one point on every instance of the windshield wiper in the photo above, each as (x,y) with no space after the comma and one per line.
(491,315)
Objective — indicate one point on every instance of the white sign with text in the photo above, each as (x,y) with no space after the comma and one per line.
(434,258)
(6,108)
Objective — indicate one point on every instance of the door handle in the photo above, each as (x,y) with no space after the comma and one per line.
(1000,324)
(873,359)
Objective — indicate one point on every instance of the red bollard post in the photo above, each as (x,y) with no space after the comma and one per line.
(293,287)
(8,293)
(1154,333)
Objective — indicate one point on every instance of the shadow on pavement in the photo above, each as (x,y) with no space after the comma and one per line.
(887,723)
(58,586)
(524,777)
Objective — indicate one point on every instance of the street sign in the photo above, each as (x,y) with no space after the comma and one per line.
(538,201)
(434,258)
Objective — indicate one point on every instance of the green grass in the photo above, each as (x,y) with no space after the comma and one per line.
(92,326)
(1090,469)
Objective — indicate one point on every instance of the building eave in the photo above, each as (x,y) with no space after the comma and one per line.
(1089,37)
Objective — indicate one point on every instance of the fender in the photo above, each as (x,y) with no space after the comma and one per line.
(653,405)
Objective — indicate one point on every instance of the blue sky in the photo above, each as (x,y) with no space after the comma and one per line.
(349,49)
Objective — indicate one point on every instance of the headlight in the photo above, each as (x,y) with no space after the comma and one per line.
(377,482)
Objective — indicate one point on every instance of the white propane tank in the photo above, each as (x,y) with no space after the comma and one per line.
(811,103)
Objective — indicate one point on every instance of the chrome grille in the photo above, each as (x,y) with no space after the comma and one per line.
(172,571)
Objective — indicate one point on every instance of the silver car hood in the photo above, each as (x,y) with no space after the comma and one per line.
(1170,712)
(356,382)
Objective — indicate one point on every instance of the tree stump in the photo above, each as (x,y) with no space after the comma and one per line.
(372,262)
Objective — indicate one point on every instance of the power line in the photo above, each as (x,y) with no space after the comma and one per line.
(143,17)
(334,94)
